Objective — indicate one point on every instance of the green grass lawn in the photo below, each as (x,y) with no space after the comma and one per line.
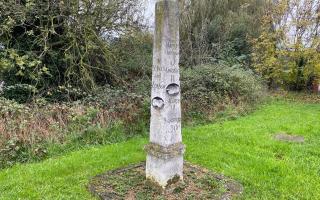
(242,149)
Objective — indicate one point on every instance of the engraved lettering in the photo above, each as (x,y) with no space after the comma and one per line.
(158,85)
(173,120)
(157,76)
(166,69)
(172,52)
(174,101)
(171,44)
(175,127)
(173,62)
(172,47)
(173,79)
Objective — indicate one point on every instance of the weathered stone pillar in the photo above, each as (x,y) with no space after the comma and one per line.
(165,151)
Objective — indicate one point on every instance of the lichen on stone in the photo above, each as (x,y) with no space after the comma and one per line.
(162,152)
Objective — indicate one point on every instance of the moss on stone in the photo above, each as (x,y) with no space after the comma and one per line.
(171,151)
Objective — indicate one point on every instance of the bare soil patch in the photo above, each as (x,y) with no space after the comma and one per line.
(130,184)
(289,138)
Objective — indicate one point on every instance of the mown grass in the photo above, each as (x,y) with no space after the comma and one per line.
(243,149)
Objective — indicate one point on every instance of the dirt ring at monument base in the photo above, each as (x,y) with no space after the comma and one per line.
(130,184)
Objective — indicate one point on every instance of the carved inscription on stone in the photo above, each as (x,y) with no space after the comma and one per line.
(173,120)
(172,47)
(173,78)
(160,85)
(165,69)
(174,101)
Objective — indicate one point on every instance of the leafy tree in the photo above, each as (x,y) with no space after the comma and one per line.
(212,29)
(287,51)
(47,43)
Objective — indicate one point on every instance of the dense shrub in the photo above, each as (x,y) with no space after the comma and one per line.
(64,93)
(16,150)
(27,130)
(209,88)
(19,92)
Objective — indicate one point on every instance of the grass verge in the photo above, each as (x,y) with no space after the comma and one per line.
(243,149)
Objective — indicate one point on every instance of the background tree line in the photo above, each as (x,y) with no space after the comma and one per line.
(279,40)
(63,49)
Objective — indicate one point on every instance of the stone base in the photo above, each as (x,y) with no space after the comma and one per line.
(164,171)
(130,183)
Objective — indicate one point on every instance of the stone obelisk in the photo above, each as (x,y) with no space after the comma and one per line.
(165,150)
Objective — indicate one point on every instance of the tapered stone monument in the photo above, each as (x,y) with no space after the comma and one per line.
(165,151)
(164,166)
